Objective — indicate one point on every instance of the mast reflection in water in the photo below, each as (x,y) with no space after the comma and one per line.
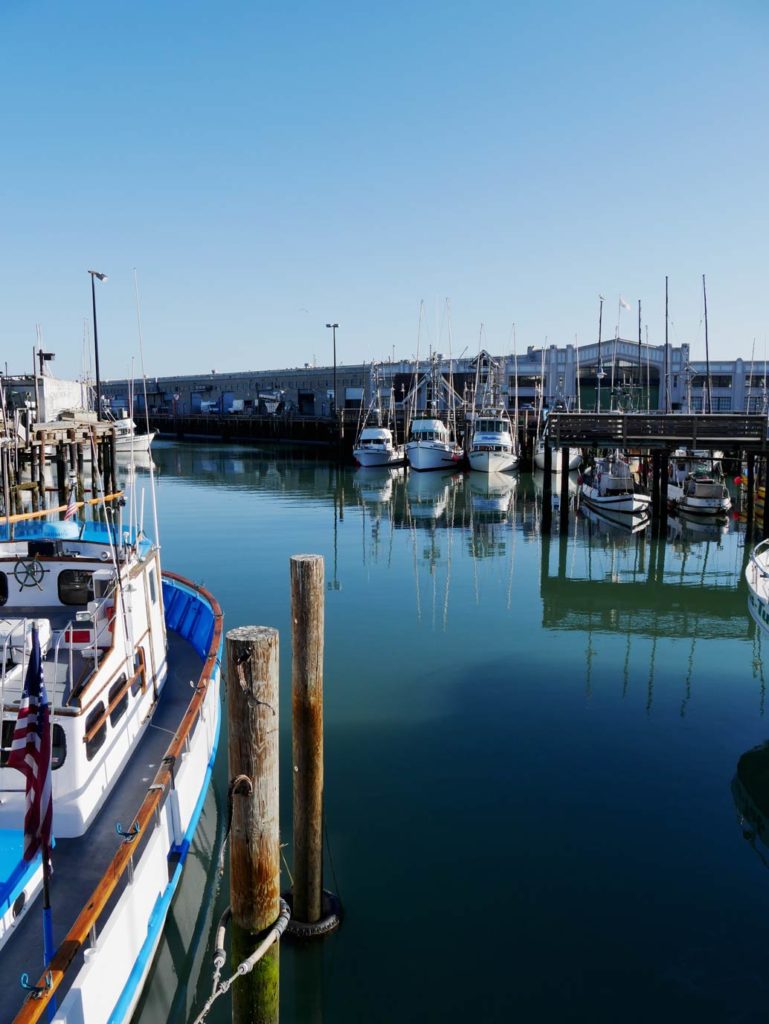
(529,737)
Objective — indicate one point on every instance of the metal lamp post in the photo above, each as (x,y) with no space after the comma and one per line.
(102,277)
(333,333)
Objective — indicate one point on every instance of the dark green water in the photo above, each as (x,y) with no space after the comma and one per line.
(530,749)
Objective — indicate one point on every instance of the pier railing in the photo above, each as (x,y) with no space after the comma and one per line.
(631,430)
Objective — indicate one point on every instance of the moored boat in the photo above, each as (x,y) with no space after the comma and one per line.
(492,449)
(574,459)
(702,494)
(375,447)
(608,486)
(430,445)
(93,630)
(757,578)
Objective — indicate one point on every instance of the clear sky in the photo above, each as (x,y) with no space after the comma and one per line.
(268,167)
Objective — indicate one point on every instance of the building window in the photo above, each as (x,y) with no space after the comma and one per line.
(722,405)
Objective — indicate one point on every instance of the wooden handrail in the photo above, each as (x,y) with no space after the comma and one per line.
(22,516)
(33,1009)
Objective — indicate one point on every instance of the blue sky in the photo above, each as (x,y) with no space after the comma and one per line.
(267,167)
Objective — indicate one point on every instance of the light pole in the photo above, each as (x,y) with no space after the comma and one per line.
(102,277)
(599,374)
(333,334)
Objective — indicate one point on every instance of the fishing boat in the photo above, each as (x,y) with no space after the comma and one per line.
(430,445)
(608,486)
(375,445)
(432,440)
(113,668)
(701,494)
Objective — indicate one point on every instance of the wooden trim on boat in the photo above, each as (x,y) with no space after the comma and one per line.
(33,1009)
(23,516)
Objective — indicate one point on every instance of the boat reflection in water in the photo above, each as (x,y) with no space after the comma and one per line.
(430,496)
(750,789)
(538,476)
(491,496)
(618,523)
(375,484)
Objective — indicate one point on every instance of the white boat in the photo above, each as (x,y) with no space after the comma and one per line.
(575,458)
(757,578)
(375,447)
(492,449)
(127,438)
(430,445)
(130,661)
(608,486)
(701,494)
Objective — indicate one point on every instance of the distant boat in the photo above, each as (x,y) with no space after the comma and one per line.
(609,487)
(374,445)
(575,458)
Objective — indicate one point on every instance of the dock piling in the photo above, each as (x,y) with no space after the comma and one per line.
(252,701)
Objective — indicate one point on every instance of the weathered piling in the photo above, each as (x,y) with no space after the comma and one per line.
(547,489)
(664,477)
(252,700)
(751,489)
(564,522)
(307,617)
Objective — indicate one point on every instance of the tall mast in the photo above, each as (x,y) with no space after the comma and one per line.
(707,351)
(667,392)
(640,367)
(600,373)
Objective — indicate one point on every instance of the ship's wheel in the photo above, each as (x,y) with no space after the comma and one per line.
(29,574)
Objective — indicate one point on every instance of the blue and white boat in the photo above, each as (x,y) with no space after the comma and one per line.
(131,666)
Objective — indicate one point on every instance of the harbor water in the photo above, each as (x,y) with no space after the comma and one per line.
(533,808)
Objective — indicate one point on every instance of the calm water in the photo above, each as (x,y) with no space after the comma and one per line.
(530,749)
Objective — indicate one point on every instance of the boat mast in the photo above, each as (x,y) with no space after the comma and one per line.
(667,392)
(600,373)
(640,367)
(707,351)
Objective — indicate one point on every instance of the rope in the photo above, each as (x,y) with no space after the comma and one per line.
(220,988)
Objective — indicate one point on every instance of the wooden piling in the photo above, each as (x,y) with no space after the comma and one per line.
(564,522)
(307,617)
(547,489)
(751,490)
(252,701)
(61,473)
(664,477)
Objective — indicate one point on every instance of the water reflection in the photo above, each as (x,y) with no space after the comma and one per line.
(750,789)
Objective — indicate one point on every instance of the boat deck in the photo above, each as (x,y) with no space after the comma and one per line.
(79,864)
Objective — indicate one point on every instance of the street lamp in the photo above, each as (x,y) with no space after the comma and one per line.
(600,373)
(333,333)
(102,277)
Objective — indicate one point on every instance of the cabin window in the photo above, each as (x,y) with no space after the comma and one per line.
(58,744)
(75,586)
(137,686)
(120,708)
(153,592)
(96,741)
(58,747)
(3,588)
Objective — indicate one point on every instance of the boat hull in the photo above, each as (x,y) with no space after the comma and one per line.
(575,458)
(492,462)
(371,459)
(429,455)
(629,504)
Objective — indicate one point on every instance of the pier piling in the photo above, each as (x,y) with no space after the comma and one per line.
(252,701)
(307,617)
(564,521)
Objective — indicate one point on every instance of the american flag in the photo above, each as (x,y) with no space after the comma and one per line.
(71,504)
(31,754)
